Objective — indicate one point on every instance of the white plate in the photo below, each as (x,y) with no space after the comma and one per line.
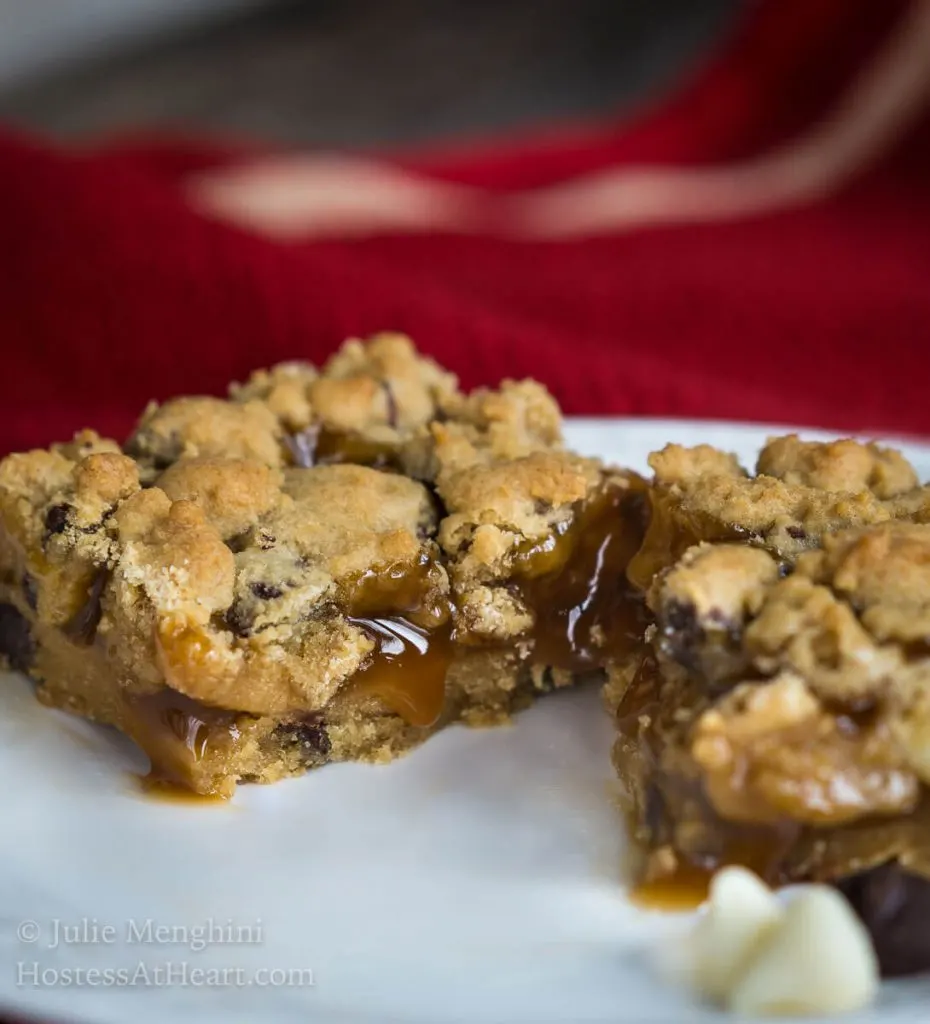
(479,879)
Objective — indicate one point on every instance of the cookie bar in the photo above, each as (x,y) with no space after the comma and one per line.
(328,565)
(778,714)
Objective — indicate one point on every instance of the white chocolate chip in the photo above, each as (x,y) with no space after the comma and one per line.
(759,957)
(819,960)
(741,914)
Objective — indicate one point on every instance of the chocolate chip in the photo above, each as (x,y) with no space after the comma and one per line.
(797,532)
(82,627)
(541,507)
(314,736)
(238,620)
(302,446)
(265,591)
(894,905)
(56,519)
(30,591)
(16,642)
(708,646)
(391,400)
(310,735)
(681,633)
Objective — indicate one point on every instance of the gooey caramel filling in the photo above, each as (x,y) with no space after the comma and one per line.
(586,611)
(407,615)
(669,535)
(408,671)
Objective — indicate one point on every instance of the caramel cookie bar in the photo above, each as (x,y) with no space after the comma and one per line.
(778,715)
(330,564)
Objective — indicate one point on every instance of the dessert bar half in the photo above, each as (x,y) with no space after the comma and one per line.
(327,565)
(778,713)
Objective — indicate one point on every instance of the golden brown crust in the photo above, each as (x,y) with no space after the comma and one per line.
(835,635)
(885,574)
(284,389)
(676,465)
(384,382)
(843,465)
(206,428)
(803,491)
(381,390)
(234,494)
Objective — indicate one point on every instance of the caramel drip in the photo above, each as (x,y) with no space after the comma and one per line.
(685,889)
(176,732)
(407,671)
(687,886)
(575,582)
(665,541)
(175,793)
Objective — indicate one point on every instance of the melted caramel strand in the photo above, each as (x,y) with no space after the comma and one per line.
(575,581)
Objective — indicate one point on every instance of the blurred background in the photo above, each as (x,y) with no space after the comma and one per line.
(346,72)
(779,206)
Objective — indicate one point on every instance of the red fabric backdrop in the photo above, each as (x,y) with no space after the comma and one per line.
(114,290)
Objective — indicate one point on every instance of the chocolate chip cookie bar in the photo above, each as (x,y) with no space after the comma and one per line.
(330,564)
(778,713)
